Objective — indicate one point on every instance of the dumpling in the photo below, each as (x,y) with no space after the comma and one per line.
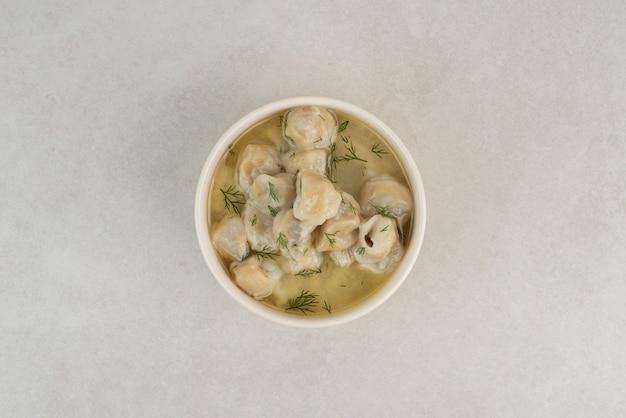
(256,278)
(311,159)
(295,242)
(380,264)
(308,127)
(377,236)
(386,194)
(316,198)
(256,159)
(378,248)
(340,231)
(258,228)
(229,238)
(270,194)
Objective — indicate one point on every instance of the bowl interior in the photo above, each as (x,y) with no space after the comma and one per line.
(400,273)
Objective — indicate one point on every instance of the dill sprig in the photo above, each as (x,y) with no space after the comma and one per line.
(351,155)
(383,211)
(266,252)
(326,307)
(376,149)
(331,238)
(308,272)
(304,303)
(272,191)
(352,208)
(230,152)
(232,199)
(281,241)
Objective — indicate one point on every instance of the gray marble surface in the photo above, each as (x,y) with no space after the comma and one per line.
(515,113)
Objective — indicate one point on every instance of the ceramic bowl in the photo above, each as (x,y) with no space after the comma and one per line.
(414,240)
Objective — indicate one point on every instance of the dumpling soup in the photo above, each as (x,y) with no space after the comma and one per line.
(310,211)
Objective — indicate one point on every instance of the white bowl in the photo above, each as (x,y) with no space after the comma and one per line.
(399,275)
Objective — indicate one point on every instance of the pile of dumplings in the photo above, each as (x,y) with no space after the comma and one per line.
(292,209)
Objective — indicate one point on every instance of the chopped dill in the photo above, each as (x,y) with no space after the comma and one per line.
(304,303)
(376,149)
(385,229)
(266,252)
(308,272)
(233,198)
(252,220)
(351,155)
(272,210)
(230,150)
(331,238)
(341,128)
(272,191)
(352,208)
(360,251)
(383,211)
(326,307)
(281,241)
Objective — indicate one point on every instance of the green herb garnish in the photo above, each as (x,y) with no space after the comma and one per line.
(308,272)
(331,238)
(327,307)
(360,251)
(233,198)
(230,150)
(273,211)
(266,252)
(351,155)
(281,241)
(252,220)
(352,208)
(304,303)
(383,211)
(341,128)
(272,191)
(376,149)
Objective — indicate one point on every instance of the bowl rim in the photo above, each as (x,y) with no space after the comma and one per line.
(303,321)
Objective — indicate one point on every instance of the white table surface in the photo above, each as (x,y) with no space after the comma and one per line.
(515,113)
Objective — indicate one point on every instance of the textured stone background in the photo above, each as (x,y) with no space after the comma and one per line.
(515,113)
